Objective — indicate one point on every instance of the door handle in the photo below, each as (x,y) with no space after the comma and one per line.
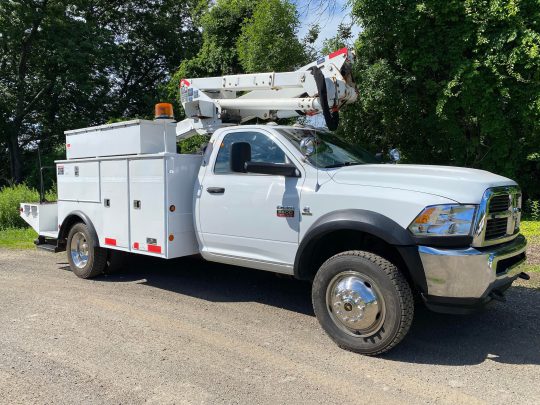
(216,190)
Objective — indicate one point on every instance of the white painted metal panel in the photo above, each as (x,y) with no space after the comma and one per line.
(147,205)
(78,181)
(243,221)
(123,138)
(182,173)
(115,203)
(252,81)
(92,210)
(42,217)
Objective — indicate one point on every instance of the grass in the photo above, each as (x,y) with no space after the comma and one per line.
(531,268)
(531,230)
(17,238)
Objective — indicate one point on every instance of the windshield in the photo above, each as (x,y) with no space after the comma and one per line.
(330,151)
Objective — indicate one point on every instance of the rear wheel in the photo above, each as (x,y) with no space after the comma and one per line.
(363,302)
(85,259)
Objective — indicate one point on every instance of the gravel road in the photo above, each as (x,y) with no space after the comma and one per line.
(192,332)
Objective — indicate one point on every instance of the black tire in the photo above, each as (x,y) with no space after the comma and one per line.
(96,257)
(389,326)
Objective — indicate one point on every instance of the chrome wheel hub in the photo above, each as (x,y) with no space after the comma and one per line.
(79,250)
(355,304)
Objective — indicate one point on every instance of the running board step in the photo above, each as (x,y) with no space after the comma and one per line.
(49,248)
(50,245)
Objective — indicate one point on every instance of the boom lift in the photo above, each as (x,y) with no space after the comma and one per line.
(323,86)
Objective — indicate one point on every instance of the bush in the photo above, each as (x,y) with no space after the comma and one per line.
(531,210)
(52,194)
(10,198)
(193,145)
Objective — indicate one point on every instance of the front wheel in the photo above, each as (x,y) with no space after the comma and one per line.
(363,302)
(85,259)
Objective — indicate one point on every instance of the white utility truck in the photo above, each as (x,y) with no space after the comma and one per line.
(288,199)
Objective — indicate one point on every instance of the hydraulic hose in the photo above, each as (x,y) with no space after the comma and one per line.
(331,118)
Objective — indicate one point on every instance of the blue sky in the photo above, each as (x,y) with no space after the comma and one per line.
(311,12)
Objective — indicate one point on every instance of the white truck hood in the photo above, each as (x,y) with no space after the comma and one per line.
(460,184)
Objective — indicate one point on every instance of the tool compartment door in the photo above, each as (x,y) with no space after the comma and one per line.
(114,195)
(147,206)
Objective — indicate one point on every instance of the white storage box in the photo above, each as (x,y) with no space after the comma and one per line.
(122,138)
(142,203)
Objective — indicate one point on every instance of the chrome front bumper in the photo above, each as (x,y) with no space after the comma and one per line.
(472,273)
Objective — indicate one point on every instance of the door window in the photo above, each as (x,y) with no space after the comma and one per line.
(263,149)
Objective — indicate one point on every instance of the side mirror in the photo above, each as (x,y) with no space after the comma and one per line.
(308,145)
(276,169)
(395,155)
(240,155)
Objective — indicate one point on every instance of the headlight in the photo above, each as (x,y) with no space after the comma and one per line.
(444,220)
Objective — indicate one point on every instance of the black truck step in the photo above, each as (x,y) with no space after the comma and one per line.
(47,247)
(50,245)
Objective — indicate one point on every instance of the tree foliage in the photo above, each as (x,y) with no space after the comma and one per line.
(69,64)
(450,82)
(268,40)
(238,38)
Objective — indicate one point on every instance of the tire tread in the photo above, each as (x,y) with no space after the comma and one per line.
(402,287)
(99,262)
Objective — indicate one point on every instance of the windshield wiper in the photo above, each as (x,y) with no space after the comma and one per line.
(342,164)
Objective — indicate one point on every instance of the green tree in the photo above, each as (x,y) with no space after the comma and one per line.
(44,50)
(451,82)
(268,40)
(342,39)
(153,38)
(221,26)
(237,38)
(69,64)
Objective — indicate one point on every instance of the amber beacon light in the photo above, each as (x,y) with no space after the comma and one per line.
(164,111)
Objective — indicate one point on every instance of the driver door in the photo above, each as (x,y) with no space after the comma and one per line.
(250,219)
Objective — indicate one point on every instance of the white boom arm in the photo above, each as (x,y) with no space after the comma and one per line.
(324,86)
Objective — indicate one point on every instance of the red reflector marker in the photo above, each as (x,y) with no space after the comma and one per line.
(136,245)
(337,53)
(110,241)
(154,249)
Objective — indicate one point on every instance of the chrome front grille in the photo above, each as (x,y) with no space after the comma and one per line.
(498,216)
(496,228)
(499,203)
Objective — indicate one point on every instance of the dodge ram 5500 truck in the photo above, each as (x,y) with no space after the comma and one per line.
(291,200)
